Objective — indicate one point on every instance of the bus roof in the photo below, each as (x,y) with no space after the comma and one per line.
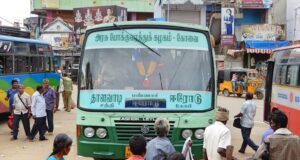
(288,47)
(141,23)
(25,40)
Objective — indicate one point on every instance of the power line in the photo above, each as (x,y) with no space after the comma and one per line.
(6,20)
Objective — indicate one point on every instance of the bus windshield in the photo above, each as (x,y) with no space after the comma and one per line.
(117,72)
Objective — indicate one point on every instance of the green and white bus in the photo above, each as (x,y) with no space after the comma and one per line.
(134,72)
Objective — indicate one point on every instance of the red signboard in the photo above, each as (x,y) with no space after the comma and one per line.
(256,3)
(227,40)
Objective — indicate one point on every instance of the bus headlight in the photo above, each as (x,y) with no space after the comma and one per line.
(199,133)
(101,133)
(89,132)
(187,133)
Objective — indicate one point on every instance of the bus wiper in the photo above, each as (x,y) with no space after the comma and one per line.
(136,39)
(161,85)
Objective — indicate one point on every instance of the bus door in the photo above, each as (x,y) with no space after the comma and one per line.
(268,90)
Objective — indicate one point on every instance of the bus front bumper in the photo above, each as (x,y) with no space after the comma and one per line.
(109,150)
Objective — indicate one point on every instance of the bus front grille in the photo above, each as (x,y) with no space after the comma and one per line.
(126,129)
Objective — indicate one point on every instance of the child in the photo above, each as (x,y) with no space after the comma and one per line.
(137,146)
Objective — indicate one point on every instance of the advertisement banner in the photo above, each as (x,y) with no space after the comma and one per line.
(259,4)
(227,26)
(263,32)
(53,4)
(89,16)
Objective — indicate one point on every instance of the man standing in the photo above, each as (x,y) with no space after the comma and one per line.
(282,144)
(11,93)
(21,110)
(38,109)
(217,137)
(247,114)
(51,107)
(67,93)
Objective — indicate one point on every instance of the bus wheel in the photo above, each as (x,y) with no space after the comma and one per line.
(239,95)
(226,92)
(259,95)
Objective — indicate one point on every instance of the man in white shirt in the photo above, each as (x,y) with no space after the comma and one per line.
(39,114)
(21,110)
(217,137)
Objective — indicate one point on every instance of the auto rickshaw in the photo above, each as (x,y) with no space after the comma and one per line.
(247,81)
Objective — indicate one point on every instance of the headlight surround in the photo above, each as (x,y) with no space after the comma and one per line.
(187,133)
(199,133)
(101,133)
(89,132)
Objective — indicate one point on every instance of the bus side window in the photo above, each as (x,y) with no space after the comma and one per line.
(283,75)
(291,77)
(6,65)
(21,64)
(32,49)
(277,74)
(20,48)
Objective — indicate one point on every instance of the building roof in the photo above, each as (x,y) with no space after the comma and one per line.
(149,23)
(53,26)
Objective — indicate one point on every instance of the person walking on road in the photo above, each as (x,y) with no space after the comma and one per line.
(21,110)
(247,115)
(160,147)
(61,147)
(11,93)
(217,137)
(282,144)
(39,114)
(67,93)
(50,99)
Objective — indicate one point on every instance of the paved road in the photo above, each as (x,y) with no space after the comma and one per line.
(65,122)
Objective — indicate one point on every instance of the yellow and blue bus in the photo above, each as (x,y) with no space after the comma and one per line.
(26,60)
(134,72)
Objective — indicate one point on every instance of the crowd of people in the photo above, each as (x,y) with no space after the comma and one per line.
(40,106)
(277,142)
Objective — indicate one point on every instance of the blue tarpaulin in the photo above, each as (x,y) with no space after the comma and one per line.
(264,47)
(265,44)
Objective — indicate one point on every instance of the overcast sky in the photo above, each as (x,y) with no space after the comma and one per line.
(14,10)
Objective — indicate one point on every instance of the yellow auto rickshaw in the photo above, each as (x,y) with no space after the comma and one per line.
(246,80)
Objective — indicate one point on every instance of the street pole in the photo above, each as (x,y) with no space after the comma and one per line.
(295,23)
(168,11)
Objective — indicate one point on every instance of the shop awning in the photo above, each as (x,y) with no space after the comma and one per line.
(264,47)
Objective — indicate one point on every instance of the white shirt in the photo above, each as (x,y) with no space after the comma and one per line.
(216,136)
(249,110)
(19,106)
(38,107)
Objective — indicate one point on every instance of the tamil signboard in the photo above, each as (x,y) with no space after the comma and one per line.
(254,4)
(89,16)
(50,4)
(227,26)
(263,32)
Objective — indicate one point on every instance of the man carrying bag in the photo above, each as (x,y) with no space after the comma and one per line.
(21,110)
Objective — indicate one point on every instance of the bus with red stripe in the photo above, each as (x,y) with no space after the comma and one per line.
(282,87)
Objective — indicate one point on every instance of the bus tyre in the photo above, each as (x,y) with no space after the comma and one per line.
(226,93)
(259,95)
(239,95)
